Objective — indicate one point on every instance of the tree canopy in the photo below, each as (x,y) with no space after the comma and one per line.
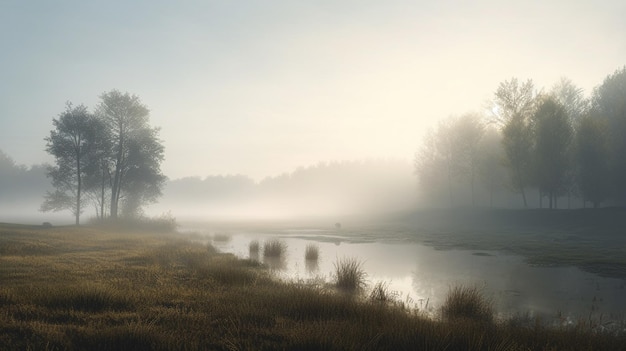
(111,155)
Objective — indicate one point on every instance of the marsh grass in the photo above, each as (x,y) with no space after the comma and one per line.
(83,297)
(253,247)
(138,291)
(381,294)
(349,275)
(467,302)
(311,252)
(274,248)
(165,223)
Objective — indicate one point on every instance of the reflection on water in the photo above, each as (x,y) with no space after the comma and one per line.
(276,263)
(424,275)
(312,266)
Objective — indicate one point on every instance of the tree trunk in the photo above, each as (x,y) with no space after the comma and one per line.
(102,196)
(115,189)
(550,195)
(555,200)
(79,179)
(473,199)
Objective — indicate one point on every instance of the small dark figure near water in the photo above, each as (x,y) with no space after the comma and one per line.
(338,225)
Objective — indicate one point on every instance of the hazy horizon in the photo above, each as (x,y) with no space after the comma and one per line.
(261,88)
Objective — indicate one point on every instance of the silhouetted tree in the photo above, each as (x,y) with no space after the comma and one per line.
(571,98)
(468,132)
(513,105)
(99,180)
(592,157)
(553,135)
(491,157)
(137,152)
(71,143)
(609,102)
(429,168)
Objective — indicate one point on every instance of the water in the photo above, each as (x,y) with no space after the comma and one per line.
(422,276)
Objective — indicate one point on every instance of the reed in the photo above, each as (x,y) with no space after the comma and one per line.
(311,252)
(349,275)
(274,248)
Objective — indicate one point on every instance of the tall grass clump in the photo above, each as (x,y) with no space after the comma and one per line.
(274,248)
(311,252)
(349,275)
(381,293)
(467,302)
(254,247)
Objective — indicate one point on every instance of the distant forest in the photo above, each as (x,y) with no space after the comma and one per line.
(555,148)
(21,188)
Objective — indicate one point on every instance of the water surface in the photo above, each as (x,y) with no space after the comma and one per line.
(422,275)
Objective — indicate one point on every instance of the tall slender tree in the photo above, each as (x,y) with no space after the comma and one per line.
(552,153)
(71,142)
(513,105)
(609,102)
(592,159)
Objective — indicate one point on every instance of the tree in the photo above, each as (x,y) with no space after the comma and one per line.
(592,157)
(517,144)
(513,105)
(609,102)
(468,132)
(136,151)
(571,98)
(450,154)
(490,168)
(71,143)
(429,168)
(553,135)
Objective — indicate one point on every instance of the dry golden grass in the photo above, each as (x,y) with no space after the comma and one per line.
(89,289)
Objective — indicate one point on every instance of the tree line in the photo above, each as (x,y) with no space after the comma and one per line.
(559,143)
(110,157)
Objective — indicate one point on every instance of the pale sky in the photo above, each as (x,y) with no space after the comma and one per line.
(261,87)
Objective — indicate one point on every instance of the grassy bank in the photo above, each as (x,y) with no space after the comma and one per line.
(84,288)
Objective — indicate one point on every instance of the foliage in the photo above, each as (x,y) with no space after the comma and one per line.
(514,104)
(110,156)
(571,97)
(136,152)
(592,156)
(72,143)
(450,155)
(609,102)
(552,156)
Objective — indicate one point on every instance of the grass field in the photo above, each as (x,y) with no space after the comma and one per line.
(68,288)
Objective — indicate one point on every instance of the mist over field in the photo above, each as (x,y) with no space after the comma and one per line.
(332,175)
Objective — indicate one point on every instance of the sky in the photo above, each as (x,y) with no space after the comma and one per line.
(262,87)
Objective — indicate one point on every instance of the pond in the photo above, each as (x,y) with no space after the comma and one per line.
(422,275)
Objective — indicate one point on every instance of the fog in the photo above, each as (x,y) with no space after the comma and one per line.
(330,190)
